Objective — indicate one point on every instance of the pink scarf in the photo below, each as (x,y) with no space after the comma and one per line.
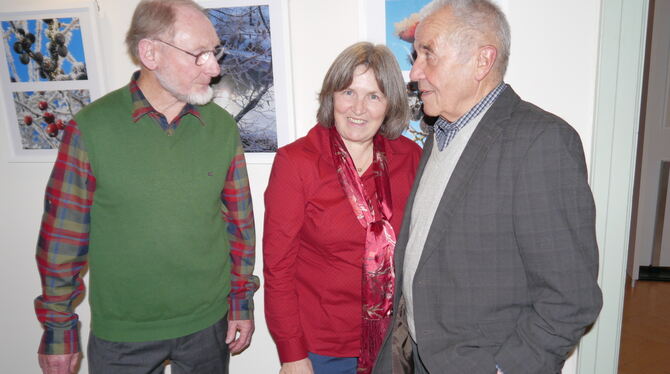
(374,215)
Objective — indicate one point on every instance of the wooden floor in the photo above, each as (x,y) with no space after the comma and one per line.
(645,334)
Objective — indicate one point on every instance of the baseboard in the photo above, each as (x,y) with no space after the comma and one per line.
(654,273)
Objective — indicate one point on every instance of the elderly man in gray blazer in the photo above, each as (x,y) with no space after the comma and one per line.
(497,257)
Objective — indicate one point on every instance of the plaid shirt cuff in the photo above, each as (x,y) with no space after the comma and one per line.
(60,342)
(240,309)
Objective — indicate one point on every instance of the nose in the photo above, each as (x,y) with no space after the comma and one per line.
(359,105)
(416,74)
(211,67)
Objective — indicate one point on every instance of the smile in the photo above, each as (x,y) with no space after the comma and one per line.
(356,121)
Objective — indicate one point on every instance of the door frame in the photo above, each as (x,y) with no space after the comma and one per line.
(619,85)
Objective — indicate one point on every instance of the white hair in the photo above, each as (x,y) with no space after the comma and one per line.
(476,17)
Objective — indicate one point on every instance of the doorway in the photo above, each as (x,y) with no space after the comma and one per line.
(645,334)
(649,256)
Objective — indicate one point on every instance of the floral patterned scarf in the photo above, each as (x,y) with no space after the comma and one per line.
(374,215)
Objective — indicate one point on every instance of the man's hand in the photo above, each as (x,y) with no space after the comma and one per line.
(303,366)
(59,364)
(245,329)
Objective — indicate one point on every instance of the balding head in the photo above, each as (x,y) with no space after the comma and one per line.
(153,19)
(460,56)
(480,22)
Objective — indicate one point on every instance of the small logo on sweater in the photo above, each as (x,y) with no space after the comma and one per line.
(210,174)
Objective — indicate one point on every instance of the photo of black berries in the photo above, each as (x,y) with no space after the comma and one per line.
(49,49)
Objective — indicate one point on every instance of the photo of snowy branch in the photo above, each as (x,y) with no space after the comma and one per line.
(39,50)
(246,88)
(42,115)
(417,130)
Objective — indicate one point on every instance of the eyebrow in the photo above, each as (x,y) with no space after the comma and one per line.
(426,47)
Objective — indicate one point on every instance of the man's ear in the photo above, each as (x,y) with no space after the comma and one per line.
(486,58)
(147,53)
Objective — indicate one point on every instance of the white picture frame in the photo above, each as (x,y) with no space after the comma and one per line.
(53,84)
(280,100)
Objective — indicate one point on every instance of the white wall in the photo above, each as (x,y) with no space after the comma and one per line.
(552,65)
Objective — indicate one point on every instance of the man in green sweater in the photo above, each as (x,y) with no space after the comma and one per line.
(150,190)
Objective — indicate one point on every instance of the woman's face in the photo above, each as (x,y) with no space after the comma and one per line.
(360,108)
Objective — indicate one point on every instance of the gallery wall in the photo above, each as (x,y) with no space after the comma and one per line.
(552,65)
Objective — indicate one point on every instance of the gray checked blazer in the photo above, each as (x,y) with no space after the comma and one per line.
(508,273)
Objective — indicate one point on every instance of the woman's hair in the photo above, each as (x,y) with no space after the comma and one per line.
(389,79)
(153,18)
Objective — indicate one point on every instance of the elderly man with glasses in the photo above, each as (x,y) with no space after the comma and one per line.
(150,191)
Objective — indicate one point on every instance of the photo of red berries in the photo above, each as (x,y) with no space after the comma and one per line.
(43,115)
(42,50)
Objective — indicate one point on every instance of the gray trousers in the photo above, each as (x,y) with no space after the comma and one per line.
(203,352)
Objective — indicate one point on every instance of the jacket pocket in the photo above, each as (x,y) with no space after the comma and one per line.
(495,333)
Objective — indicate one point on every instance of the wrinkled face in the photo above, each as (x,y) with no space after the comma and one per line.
(177,72)
(360,108)
(444,73)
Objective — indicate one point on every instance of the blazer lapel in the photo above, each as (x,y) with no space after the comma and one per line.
(488,131)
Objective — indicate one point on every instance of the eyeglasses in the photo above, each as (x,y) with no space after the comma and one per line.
(201,58)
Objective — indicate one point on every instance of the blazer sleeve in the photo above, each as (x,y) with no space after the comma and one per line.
(284,215)
(554,224)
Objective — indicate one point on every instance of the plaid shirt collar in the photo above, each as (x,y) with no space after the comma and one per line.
(445,131)
(141,106)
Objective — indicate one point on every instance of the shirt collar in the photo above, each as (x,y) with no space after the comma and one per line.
(473,112)
(141,105)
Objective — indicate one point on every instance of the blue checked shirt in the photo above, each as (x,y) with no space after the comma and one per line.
(445,131)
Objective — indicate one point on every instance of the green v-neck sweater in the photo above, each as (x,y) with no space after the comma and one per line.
(159,251)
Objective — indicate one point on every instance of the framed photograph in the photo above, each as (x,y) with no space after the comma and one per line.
(50,70)
(255,72)
(393,23)
(42,115)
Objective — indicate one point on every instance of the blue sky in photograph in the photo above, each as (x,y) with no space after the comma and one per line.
(398,10)
(75,46)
